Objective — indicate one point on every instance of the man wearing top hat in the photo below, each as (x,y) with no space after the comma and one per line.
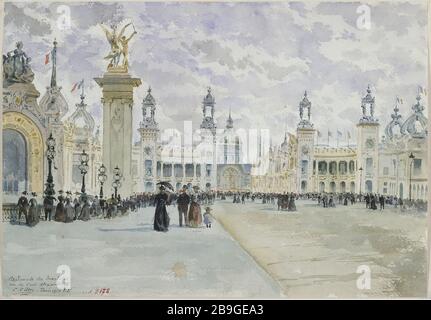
(23,207)
(183,205)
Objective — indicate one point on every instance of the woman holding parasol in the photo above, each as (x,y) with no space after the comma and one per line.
(161,217)
(195,214)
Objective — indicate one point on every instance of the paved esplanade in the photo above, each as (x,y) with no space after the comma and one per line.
(125,255)
(315,252)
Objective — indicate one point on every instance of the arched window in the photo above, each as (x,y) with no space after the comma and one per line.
(342,167)
(323,167)
(352,166)
(332,187)
(303,186)
(178,170)
(368,186)
(342,186)
(322,186)
(333,168)
(369,166)
(14,162)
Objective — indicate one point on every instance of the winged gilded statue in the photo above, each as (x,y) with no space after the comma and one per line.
(118,43)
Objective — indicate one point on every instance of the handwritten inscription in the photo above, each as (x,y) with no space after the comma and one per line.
(34,285)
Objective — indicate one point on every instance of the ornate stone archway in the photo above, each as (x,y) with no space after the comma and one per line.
(231,179)
(29,130)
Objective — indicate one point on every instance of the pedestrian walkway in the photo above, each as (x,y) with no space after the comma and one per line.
(315,252)
(125,256)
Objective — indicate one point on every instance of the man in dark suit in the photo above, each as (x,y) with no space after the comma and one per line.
(23,207)
(183,205)
(382,202)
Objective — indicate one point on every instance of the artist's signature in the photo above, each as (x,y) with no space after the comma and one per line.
(101,291)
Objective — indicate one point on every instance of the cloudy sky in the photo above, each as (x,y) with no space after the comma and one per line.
(257,57)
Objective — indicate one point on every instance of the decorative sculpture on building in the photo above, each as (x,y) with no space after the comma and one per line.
(393,129)
(119,45)
(305,104)
(368,101)
(416,124)
(16,67)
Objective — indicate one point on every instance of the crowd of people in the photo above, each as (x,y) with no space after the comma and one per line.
(68,208)
(286,201)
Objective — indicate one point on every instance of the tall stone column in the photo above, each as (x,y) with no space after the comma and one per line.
(117,99)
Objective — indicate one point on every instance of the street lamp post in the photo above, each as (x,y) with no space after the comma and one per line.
(84,169)
(360,181)
(411,156)
(102,178)
(116,183)
(50,154)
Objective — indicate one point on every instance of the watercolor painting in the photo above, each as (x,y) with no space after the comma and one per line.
(271,150)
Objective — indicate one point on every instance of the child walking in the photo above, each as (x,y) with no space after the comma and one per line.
(207,217)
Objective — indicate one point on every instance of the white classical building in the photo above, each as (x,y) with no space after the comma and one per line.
(395,164)
(209,160)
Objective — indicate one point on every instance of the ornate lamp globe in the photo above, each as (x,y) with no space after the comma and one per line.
(102,178)
(102,174)
(50,142)
(116,171)
(102,170)
(84,157)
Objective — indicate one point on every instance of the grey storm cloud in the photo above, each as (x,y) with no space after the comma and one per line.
(16,16)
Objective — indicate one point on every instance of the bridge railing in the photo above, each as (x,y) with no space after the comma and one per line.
(10,213)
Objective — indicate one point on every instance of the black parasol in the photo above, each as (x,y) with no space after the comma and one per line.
(166,185)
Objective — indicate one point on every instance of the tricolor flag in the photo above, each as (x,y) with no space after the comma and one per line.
(47,57)
(348,135)
(319,134)
(329,133)
(339,133)
(77,85)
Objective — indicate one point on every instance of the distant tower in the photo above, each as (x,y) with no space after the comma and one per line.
(149,130)
(229,121)
(54,107)
(208,123)
(305,133)
(231,144)
(208,128)
(393,129)
(368,146)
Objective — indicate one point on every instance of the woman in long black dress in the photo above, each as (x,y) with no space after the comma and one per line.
(161,217)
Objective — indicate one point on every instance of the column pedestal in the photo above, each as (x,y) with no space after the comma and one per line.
(117,99)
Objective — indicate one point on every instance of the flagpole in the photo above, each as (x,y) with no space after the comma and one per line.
(328,138)
(338,137)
